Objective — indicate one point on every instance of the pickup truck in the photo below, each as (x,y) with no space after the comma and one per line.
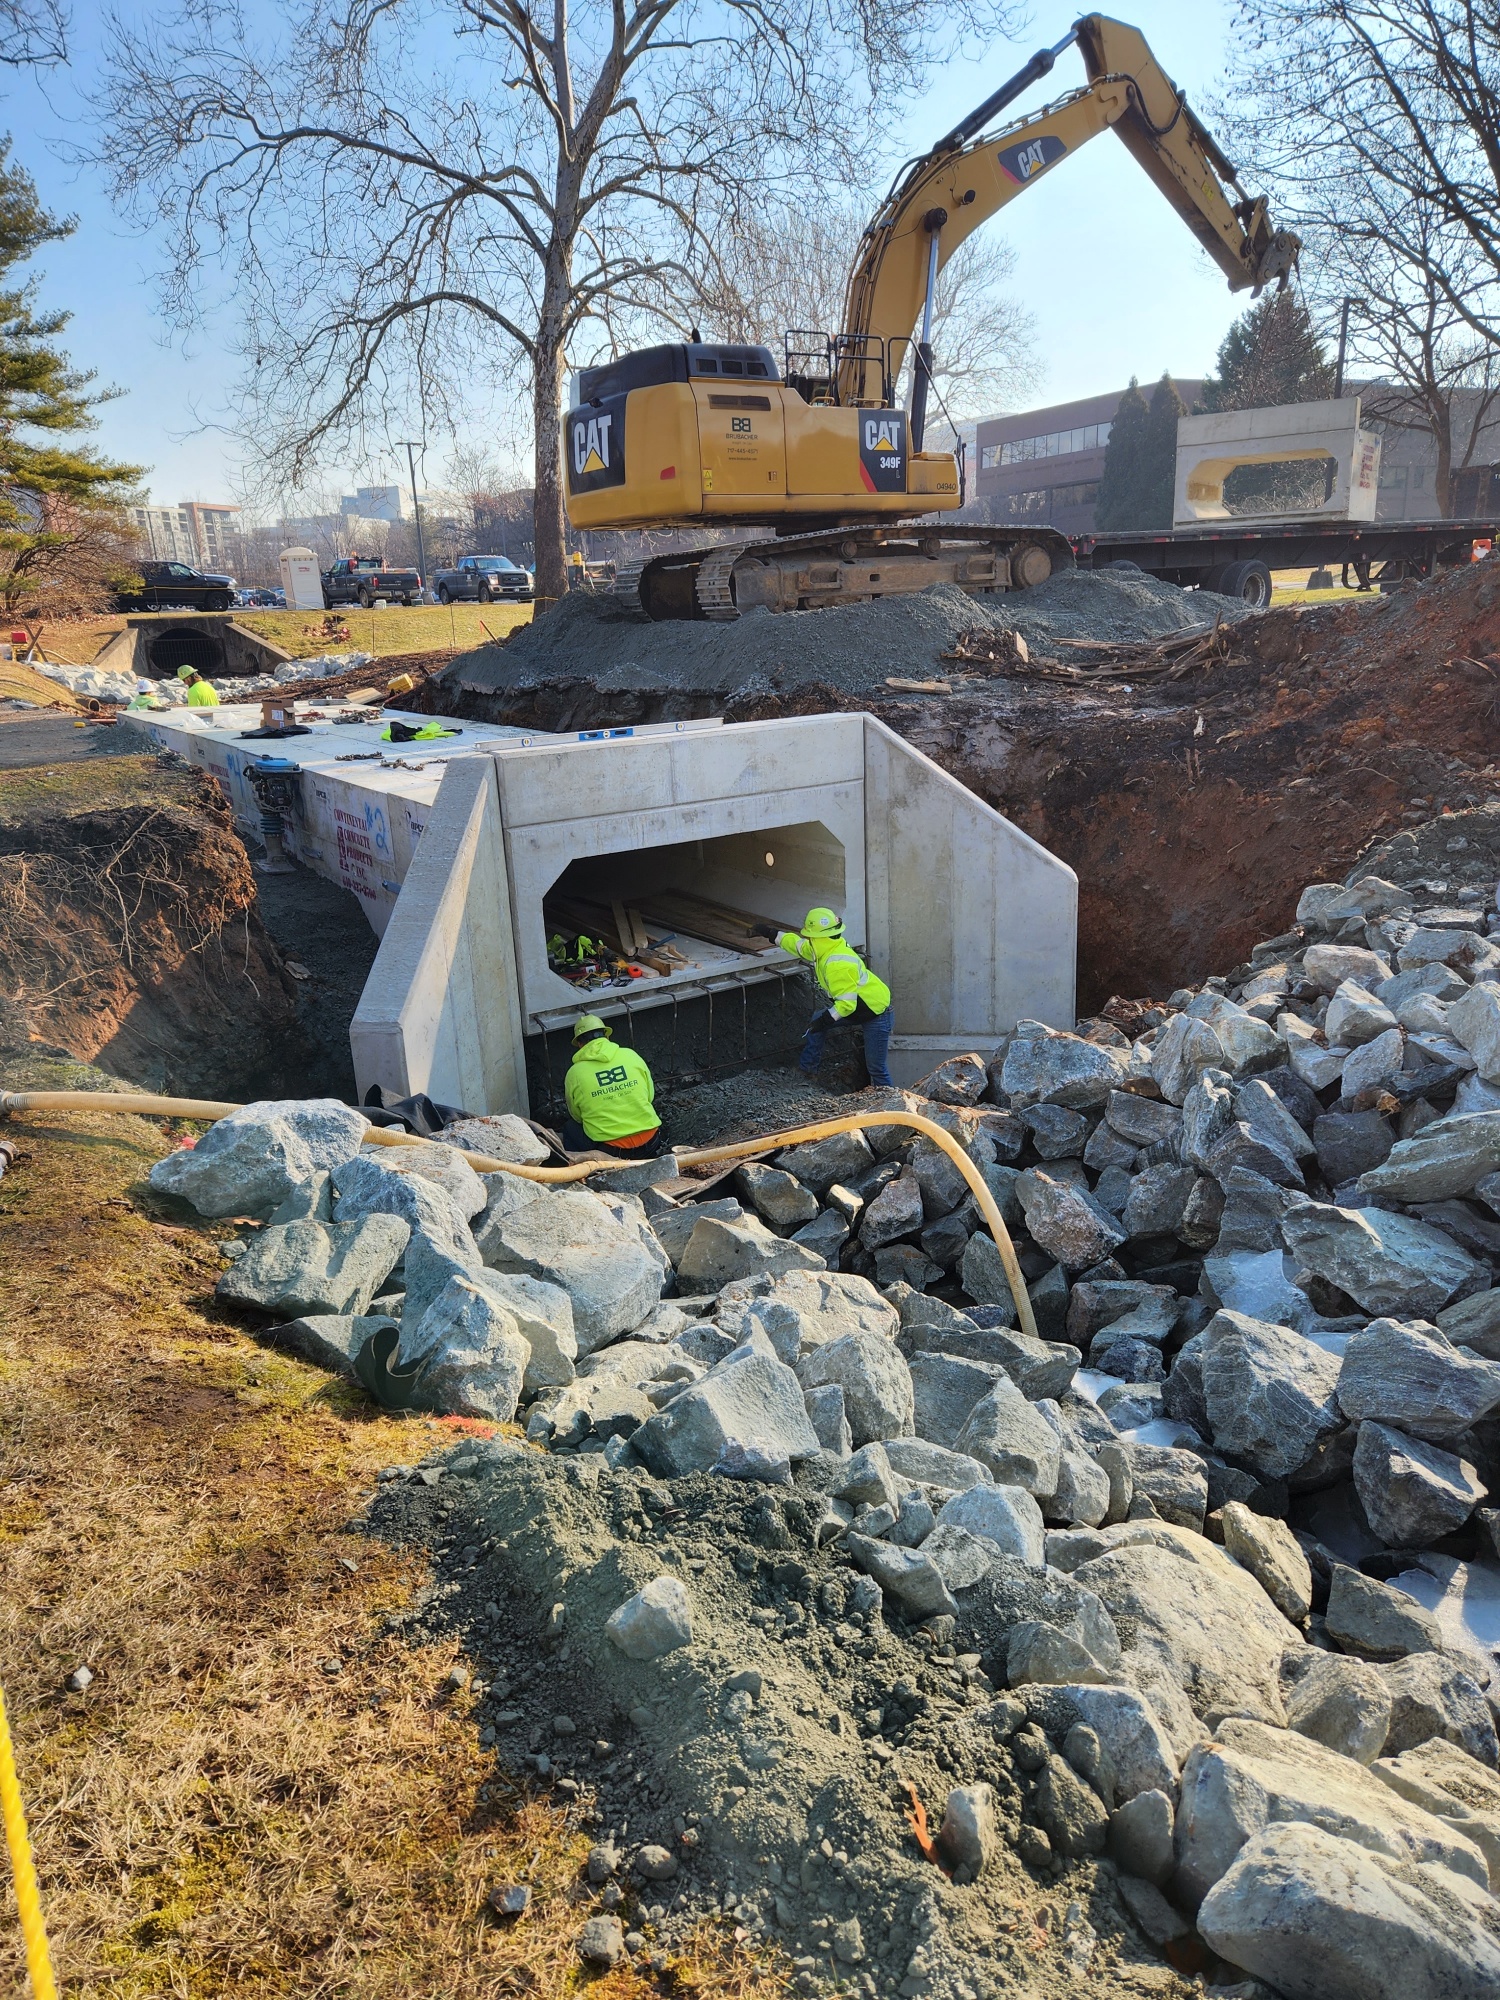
(361,579)
(487,579)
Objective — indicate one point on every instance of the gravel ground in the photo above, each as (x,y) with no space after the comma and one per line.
(854,646)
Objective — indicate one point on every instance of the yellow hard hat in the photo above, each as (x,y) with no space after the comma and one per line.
(587,1025)
(822,923)
(187,673)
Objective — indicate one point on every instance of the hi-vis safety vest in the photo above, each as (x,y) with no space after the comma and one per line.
(610,1092)
(840,972)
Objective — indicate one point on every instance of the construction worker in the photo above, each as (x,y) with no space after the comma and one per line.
(145,696)
(852,991)
(200,693)
(611,1096)
(576,576)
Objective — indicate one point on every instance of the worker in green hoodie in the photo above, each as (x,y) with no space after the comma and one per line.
(611,1097)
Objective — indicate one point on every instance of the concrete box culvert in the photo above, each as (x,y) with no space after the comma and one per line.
(154,645)
(973,923)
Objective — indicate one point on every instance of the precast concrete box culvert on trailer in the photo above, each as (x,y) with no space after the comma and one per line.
(660,849)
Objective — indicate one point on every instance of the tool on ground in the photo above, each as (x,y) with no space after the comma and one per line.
(208,1109)
(705,435)
(273,781)
(23,1869)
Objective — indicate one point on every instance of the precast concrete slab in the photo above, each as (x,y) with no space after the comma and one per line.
(1210,448)
(154,644)
(972,922)
(359,805)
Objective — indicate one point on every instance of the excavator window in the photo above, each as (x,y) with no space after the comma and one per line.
(678,362)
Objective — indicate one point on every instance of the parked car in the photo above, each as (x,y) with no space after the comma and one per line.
(361,579)
(486,579)
(261,599)
(173,586)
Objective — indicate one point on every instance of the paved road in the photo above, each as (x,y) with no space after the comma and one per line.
(27,739)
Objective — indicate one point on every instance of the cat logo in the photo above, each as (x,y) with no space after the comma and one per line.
(882,434)
(1024,162)
(595,441)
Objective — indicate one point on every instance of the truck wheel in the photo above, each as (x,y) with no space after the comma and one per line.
(1250,581)
(367,599)
(444,594)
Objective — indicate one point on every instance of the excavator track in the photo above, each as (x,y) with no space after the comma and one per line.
(835,566)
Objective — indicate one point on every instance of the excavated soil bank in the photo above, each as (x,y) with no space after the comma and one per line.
(129,931)
(1193,810)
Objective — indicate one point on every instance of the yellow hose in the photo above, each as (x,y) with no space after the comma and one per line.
(380,1135)
(28,1901)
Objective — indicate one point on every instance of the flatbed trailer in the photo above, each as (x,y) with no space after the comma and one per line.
(1237,560)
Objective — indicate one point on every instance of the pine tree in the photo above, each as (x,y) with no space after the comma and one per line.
(1158,474)
(1121,495)
(63,534)
(1271,355)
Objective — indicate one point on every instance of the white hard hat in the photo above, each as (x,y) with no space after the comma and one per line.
(144,687)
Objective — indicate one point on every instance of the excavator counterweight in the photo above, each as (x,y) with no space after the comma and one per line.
(710,435)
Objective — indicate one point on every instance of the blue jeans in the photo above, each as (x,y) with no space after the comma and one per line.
(877,1034)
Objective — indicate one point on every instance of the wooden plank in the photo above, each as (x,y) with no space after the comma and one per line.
(624,929)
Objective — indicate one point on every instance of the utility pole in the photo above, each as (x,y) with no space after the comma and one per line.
(412,445)
(1338,368)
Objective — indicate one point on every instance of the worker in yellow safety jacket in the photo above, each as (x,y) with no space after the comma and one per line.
(200,693)
(852,991)
(611,1097)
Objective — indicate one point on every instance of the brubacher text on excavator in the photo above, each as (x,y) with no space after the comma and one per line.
(695,433)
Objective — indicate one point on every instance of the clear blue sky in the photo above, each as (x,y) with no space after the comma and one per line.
(1116,283)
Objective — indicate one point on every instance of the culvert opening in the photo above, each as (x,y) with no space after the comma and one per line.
(661,942)
(168,651)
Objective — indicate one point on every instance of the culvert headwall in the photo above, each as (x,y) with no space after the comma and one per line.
(972,922)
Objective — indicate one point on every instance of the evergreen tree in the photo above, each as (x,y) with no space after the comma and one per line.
(1121,495)
(62,527)
(1159,456)
(1271,355)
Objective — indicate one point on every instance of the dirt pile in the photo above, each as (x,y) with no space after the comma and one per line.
(592,648)
(129,933)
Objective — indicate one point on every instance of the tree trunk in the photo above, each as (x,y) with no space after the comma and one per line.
(1442,477)
(546,410)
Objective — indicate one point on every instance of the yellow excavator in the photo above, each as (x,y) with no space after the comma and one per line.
(700,434)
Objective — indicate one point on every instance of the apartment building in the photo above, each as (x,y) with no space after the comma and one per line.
(202,533)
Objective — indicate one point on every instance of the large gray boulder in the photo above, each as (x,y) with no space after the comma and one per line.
(875,1379)
(718,1253)
(805,1308)
(499,1135)
(909,1576)
(1157,1200)
(1012,1441)
(1136,1755)
(1446,1158)
(1184,1048)
(982,1275)
(1454,1787)
(1319,1917)
(1268,1117)
(1375,1621)
(543,1315)
(1329,965)
(1413,1493)
(1413,1378)
(895,1212)
(1067,1221)
(1355,1016)
(1474,1020)
(1207,1114)
(1252,1775)
(468,1353)
(1006,1515)
(777,1197)
(945,1388)
(329,1340)
(750,1400)
(1342,1703)
(1437,1695)
(367,1186)
(301,1268)
(929,1465)
(1386,1263)
(445,1167)
(1273,1556)
(576,1241)
(1043,1065)
(1144,1121)
(1255,1283)
(846,1156)
(249,1162)
(1268,1392)
(1199,1636)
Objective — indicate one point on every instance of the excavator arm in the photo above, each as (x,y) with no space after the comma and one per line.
(939,200)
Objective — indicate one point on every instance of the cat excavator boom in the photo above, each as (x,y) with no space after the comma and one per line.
(704,434)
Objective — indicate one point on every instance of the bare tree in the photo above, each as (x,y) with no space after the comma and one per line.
(1398,100)
(787,269)
(33,34)
(409,218)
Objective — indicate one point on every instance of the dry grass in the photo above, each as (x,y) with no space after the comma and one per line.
(416,628)
(261,1792)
